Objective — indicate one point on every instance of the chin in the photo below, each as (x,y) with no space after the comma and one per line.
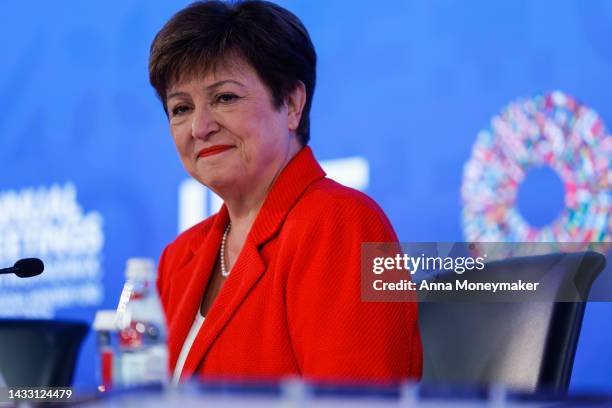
(214,183)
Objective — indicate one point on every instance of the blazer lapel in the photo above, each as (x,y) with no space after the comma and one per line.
(299,173)
(192,279)
(244,275)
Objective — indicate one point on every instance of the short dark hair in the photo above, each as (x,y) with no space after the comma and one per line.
(268,37)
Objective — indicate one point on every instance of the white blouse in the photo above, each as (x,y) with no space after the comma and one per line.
(193,332)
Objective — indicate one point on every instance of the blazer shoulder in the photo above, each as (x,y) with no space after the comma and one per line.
(327,197)
(329,205)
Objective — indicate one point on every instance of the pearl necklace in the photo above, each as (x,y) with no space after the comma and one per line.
(224,272)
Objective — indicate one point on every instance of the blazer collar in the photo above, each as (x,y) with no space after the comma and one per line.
(294,179)
(301,171)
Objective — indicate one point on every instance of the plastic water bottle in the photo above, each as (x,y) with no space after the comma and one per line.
(106,335)
(141,327)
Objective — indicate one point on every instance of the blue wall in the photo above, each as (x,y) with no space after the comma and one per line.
(406,85)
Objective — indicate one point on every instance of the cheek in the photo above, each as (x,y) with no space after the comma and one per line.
(181,139)
(269,127)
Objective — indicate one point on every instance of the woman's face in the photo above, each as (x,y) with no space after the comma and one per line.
(227,131)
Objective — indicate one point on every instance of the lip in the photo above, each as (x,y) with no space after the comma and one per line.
(209,151)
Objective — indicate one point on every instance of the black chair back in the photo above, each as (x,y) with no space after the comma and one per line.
(39,353)
(523,345)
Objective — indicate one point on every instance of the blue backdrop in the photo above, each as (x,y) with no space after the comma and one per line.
(404,86)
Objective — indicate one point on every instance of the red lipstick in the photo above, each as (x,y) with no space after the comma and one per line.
(209,151)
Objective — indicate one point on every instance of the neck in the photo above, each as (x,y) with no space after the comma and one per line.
(243,208)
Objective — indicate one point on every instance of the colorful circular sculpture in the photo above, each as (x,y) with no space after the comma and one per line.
(548,130)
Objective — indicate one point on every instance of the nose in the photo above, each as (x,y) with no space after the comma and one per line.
(204,124)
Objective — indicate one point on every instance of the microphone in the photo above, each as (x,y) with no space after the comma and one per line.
(25,268)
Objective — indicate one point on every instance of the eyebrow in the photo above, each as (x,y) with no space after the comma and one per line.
(209,88)
(220,83)
(176,94)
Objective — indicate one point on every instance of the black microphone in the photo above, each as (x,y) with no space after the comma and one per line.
(25,268)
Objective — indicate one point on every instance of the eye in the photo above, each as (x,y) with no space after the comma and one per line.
(226,98)
(179,110)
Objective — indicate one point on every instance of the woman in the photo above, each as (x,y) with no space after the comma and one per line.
(269,286)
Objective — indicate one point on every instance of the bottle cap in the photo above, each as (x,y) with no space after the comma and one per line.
(140,269)
(105,321)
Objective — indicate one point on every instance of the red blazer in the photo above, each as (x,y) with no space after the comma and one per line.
(291,305)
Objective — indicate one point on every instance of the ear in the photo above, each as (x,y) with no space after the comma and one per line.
(295,105)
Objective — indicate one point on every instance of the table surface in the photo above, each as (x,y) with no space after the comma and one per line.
(297,394)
